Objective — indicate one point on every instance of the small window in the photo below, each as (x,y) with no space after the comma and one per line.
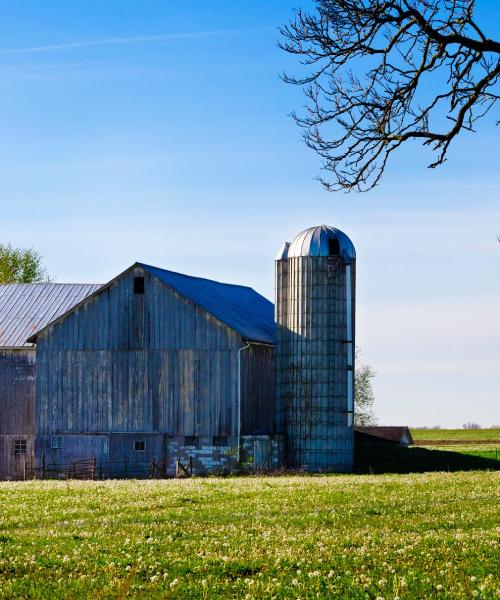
(333,247)
(139,446)
(191,440)
(56,442)
(220,440)
(138,285)
(20,447)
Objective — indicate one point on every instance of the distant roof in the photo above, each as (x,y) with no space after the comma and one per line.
(390,433)
(238,306)
(28,307)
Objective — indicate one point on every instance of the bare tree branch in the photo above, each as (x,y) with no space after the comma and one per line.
(380,73)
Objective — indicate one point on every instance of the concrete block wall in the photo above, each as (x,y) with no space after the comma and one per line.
(206,456)
(258,453)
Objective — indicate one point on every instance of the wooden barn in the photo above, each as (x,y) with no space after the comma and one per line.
(157,367)
(25,308)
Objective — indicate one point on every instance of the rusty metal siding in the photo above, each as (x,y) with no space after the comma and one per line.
(17,406)
(257,390)
(123,364)
(314,358)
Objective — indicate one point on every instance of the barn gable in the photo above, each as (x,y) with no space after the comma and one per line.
(239,308)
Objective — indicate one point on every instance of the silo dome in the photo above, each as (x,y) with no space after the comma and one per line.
(322,240)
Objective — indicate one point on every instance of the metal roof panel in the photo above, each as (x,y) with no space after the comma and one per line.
(28,307)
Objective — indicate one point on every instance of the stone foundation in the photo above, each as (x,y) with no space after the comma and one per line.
(257,453)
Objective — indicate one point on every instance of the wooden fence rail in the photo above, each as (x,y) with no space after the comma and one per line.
(89,468)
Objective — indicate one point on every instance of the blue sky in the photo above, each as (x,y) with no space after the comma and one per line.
(159,132)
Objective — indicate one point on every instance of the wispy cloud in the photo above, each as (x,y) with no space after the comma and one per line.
(116,41)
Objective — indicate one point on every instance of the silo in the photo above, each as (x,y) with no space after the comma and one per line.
(314,356)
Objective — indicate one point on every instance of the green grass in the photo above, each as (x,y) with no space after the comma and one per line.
(489,451)
(466,435)
(375,456)
(386,536)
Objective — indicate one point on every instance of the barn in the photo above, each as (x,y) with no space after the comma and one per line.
(25,308)
(158,368)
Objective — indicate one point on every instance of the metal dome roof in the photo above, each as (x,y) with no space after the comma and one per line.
(315,241)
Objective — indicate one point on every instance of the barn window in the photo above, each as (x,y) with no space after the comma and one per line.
(220,440)
(20,447)
(333,247)
(138,285)
(56,442)
(140,446)
(192,440)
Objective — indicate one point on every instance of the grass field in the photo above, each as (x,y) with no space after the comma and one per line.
(491,451)
(385,536)
(466,435)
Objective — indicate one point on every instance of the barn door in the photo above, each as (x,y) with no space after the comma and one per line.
(262,450)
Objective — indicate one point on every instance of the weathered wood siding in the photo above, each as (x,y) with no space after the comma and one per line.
(257,390)
(126,362)
(17,408)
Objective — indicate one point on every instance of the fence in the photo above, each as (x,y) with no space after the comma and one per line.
(91,469)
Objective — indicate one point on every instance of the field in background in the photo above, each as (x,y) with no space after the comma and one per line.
(386,536)
(463,435)
(480,443)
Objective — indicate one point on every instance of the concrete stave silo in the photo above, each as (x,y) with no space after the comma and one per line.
(315,301)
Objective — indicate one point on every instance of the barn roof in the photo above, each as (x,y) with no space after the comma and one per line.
(238,306)
(28,307)
(391,433)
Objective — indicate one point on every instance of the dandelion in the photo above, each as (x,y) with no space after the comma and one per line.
(174,583)
(295,582)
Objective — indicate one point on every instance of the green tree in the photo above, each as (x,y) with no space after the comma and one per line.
(21,265)
(364,398)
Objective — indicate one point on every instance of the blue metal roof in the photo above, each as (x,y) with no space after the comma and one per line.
(28,307)
(240,307)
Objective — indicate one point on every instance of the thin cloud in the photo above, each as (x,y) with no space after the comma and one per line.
(115,41)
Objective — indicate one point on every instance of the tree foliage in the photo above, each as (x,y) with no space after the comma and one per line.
(364,397)
(471,426)
(21,265)
(380,73)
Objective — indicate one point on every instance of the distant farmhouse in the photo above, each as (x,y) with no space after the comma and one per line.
(164,369)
